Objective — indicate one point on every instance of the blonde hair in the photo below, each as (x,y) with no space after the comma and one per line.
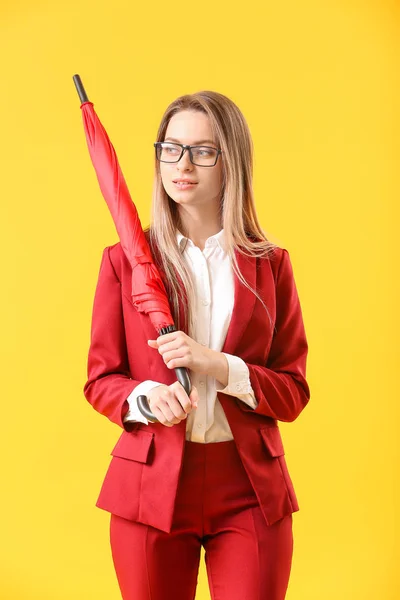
(242,230)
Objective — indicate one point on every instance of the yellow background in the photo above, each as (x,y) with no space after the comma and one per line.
(318,84)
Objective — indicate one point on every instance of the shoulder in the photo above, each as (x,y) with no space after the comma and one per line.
(115,255)
(280,262)
(118,259)
(273,258)
(114,251)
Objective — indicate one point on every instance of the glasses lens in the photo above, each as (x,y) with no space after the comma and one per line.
(204,155)
(168,152)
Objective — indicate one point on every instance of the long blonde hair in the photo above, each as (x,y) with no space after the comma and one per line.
(242,230)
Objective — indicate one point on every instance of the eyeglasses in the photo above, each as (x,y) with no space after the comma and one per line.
(202,156)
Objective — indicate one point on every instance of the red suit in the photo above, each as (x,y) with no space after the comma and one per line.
(141,483)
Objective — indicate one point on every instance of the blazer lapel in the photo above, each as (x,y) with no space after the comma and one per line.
(244,301)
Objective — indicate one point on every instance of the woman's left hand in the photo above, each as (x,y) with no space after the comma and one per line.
(180,350)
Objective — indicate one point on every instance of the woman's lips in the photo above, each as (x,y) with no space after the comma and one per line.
(184,185)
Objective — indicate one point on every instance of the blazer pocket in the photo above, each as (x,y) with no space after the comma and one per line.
(272,440)
(134,445)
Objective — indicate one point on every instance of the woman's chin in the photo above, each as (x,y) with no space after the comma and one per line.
(181,197)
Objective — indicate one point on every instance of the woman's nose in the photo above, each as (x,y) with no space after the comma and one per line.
(184,162)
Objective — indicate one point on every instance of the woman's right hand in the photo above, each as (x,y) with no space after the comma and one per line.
(171,404)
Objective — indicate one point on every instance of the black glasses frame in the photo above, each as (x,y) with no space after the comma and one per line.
(186,147)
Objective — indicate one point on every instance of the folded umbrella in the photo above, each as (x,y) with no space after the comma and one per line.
(148,291)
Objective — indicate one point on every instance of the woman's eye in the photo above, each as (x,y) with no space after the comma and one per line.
(170,150)
(202,152)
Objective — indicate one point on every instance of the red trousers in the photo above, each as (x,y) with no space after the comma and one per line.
(215,508)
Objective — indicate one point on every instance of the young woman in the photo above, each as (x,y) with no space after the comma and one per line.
(212,471)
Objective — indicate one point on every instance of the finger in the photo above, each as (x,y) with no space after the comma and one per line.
(170,406)
(168,347)
(172,355)
(177,404)
(183,398)
(179,362)
(194,396)
(167,337)
(158,413)
(169,411)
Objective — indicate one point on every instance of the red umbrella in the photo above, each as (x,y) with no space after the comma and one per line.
(148,291)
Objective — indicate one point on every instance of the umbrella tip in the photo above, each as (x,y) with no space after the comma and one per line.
(80,89)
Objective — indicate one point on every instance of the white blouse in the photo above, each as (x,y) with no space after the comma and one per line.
(213,277)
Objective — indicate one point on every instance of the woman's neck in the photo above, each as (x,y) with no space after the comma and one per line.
(199,227)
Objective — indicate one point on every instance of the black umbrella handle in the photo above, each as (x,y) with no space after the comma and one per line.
(182,376)
(80,89)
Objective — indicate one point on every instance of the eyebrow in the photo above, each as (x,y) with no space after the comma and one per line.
(194,143)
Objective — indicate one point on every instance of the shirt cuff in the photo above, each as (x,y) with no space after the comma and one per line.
(238,381)
(134,413)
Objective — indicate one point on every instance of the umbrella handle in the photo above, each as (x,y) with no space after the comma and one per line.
(143,404)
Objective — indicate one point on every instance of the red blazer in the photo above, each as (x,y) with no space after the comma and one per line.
(141,481)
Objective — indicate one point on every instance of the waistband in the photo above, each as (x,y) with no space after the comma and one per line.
(212,450)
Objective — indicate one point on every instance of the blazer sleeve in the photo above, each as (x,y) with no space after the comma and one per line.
(280,387)
(109,383)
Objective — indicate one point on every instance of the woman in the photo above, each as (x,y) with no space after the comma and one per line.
(212,471)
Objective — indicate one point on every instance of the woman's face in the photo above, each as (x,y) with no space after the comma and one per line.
(190,127)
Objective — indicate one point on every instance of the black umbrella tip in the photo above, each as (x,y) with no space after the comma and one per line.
(80,89)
